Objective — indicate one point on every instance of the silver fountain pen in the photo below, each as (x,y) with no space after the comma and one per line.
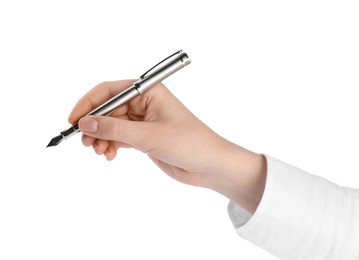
(150,78)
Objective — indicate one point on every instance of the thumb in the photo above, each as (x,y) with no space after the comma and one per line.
(133,133)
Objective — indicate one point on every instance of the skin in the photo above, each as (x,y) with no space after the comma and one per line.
(158,124)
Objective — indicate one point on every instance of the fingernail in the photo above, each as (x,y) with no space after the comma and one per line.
(89,125)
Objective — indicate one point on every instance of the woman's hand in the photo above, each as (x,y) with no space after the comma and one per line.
(158,124)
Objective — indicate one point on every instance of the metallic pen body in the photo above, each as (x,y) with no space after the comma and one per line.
(155,75)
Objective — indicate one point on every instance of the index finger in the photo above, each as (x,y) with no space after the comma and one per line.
(97,96)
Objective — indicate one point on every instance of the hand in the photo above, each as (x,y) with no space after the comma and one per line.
(159,125)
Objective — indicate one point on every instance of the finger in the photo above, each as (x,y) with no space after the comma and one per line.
(100,146)
(87,140)
(133,133)
(111,151)
(97,96)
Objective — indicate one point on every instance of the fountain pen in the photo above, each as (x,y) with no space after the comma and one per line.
(150,78)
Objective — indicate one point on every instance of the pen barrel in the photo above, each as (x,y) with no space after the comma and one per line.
(163,71)
(116,102)
(152,77)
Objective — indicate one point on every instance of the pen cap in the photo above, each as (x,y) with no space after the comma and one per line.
(162,70)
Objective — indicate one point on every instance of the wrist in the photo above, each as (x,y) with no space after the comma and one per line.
(241,176)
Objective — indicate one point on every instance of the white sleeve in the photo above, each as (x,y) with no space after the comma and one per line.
(301,216)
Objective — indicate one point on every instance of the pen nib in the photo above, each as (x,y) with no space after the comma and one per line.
(55,141)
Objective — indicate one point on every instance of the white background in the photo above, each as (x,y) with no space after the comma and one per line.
(277,77)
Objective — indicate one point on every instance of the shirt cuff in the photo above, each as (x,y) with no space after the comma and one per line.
(300,216)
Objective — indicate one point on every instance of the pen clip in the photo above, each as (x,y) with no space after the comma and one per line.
(144,74)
